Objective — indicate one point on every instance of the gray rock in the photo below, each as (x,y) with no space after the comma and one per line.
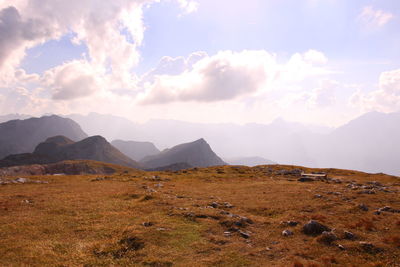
(287,233)
(349,235)
(315,228)
(363,207)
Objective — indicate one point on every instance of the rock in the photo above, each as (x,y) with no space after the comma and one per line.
(315,228)
(369,247)
(147,224)
(387,209)
(295,172)
(341,247)
(306,179)
(349,235)
(217,205)
(244,234)
(287,233)
(363,207)
(318,196)
(327,237)
(21,180)
(289,223)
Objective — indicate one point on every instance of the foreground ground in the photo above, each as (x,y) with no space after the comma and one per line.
(220,216)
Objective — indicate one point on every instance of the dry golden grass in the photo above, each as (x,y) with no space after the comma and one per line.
(74,221)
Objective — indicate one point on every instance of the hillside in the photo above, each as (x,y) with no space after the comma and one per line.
(196,154)
(60,148)
(216,216)
(22,136)
(136,150)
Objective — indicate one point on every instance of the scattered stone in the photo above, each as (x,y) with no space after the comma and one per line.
(341,247)
(287,233)
(375,183)
(244,234)
(227,233)
(306,179)
(217,205)
(161,229)
(327,237)
(27,201)
(289,223)
(295,172)
(363,207)
(21,180)
(159,185)
(315,228)
(318,196)
(349,235)
(369,247)
(387,209)
(147,224)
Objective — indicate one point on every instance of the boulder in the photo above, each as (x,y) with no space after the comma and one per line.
(315,228)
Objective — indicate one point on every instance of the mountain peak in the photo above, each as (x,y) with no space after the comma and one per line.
(197,154)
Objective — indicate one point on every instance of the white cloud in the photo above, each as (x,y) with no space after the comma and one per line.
(385,99)
(228,75)
(71,80)
(374,18)
(188,6)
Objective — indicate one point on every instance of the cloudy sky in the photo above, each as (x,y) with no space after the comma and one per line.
(313,61)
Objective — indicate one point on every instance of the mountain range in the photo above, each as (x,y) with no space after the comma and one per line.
(22,136)
(60,148)
(368,143)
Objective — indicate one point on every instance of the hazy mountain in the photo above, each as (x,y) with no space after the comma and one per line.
(370,143)
(22,136)
(196,154)
(136,150)
(249,161)
(59,148)
(9,117)
(110,126)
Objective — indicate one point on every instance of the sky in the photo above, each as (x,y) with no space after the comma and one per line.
(312,61)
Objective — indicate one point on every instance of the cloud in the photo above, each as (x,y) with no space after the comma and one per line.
(72,80)
(188,6)
(227,75)
(374,18)
(385,99)
(18,34)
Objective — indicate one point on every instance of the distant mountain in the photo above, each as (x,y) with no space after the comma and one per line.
(196,154)
(249,161)
(136,150)
(369,143)
(60,148)
(9,117)
(22,136)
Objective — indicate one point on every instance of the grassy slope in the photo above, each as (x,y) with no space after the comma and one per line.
(73,221)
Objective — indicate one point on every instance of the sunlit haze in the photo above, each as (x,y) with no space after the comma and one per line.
(310,61)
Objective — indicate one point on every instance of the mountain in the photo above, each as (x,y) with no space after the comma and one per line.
(22,136)
(196,154)
(16,116)
(60,148)
(136,150)
(370,143)
(249,161)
